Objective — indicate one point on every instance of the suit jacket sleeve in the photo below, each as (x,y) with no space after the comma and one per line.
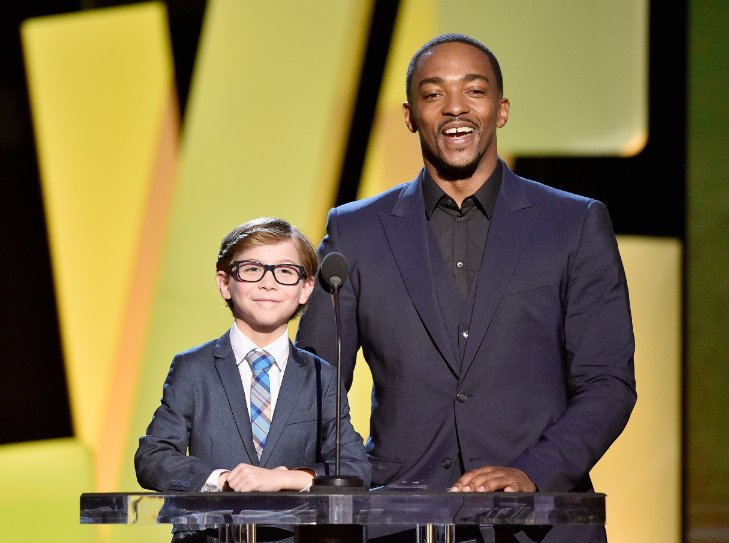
(161,461)
(317,332)
(598,347)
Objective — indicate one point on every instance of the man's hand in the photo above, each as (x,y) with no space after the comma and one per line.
(247,478)
(494,479)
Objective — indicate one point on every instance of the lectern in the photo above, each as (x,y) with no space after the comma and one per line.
(434,514)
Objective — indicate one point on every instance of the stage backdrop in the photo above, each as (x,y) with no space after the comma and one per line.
(136,204)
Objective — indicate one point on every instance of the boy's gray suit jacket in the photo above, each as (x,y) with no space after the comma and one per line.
(204,408)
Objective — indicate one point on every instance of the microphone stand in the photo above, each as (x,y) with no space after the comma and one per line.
(338,326)
(337,483)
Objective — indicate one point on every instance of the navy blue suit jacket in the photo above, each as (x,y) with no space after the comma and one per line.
(204,409)
(545,382)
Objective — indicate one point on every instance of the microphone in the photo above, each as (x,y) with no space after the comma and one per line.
(333,272)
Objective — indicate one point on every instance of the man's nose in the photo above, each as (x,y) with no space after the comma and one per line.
(455,104)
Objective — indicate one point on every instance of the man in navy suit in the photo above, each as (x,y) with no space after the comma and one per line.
(225,426)
(492,310)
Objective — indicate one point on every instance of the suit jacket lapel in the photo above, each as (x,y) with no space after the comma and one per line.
(230,378)
(288,395)
(511,223)
(406,231)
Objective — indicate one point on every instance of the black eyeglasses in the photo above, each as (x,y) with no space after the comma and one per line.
(250,271)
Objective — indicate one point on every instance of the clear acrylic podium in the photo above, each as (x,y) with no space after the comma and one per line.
(435,514)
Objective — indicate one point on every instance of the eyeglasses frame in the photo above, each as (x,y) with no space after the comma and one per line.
(235,272)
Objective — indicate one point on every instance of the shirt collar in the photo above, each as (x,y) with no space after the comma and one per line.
(242,345)
(485,196)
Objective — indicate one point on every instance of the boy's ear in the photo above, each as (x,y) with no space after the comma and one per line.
(222,279)
(306,289)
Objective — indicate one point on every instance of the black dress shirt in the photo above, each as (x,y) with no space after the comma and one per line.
(461,232)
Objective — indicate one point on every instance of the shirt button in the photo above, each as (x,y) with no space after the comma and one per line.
(461,397)
(447,462)
(459,264)
(465,333)
(459,219)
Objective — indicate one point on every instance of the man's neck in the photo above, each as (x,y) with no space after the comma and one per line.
(460,189)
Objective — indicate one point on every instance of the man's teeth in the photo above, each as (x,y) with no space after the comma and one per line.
(459,130)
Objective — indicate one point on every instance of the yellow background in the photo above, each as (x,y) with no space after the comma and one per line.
(136,205)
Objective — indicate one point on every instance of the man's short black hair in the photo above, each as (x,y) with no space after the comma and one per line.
(449,38)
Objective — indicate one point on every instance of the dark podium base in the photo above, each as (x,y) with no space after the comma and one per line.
(333,533)
(336,484)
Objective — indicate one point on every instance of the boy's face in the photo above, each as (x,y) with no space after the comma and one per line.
(263,309)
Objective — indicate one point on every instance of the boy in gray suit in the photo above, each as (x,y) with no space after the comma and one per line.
(249,411)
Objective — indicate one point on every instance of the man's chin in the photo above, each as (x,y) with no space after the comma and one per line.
(456,172)
(449,170)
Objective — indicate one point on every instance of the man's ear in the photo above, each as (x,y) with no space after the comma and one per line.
(409,117)
(503,112)
(222,279)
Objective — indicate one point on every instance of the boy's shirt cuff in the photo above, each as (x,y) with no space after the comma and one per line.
(211,485)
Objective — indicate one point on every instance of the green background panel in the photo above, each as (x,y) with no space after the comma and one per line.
(707,285)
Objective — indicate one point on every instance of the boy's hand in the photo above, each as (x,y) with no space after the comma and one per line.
(247,478)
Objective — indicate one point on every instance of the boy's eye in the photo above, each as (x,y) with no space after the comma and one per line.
(287,270)
(250,268)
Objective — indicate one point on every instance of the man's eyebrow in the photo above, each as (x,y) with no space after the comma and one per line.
(476,77)
(467,77)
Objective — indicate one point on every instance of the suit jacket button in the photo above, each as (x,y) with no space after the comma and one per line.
(461,397)
(447,462)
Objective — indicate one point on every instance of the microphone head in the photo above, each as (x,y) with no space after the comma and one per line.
(333,271)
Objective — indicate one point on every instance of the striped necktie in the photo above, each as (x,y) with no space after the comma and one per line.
(260,362)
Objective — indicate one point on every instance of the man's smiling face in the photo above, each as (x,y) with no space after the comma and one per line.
(456,107)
